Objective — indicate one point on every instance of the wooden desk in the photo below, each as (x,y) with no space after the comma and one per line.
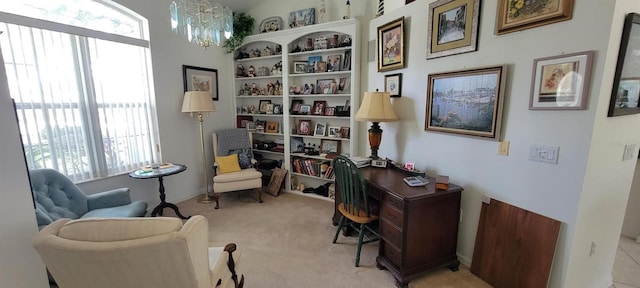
(418,225)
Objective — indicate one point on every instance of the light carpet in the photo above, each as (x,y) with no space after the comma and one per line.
(287,242)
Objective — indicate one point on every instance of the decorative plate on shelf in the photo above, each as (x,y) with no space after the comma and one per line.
(271,24)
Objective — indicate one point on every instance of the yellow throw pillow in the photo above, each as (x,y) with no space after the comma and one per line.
(228,164)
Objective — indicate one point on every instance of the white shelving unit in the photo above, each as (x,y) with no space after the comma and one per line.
(298,46)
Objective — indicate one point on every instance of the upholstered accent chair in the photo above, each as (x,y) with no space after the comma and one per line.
(154,252)
(234,163)
(57,197)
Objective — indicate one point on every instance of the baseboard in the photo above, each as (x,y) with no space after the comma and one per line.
(464,260)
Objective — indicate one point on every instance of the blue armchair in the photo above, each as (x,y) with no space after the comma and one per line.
(57,197)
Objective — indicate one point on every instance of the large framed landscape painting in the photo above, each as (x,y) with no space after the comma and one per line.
(516,15)
(626,82)
(466,102)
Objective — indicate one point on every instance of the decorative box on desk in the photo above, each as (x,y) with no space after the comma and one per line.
(418,225)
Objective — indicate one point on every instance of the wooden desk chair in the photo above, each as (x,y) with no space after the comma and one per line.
(354,206)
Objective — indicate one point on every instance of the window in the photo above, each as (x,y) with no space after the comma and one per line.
(83,97)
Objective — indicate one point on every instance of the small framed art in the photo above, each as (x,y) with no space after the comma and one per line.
(329,111)
(481,89)
(334,132)
(393,84)
(344,86)
(624,96)
(299,67)
(305,109)
(304,17)
(272,127)
(264,106)
(200,79)
(295,106)
(515,16)
(391,45)
(326,86)
(561,82)
(344,132)
(334,62)
(321,129)
(329,146)
(452,27)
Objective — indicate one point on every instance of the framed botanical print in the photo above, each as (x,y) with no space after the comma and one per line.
(393,84)
(452,27)
(516,15)
(391,45)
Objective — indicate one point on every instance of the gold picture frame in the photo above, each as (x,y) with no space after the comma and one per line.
(391,45)
(452,27)
(514,15)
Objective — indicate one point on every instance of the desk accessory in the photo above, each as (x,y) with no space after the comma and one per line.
(415,181)
(379,163)
(198,102)
(442,182)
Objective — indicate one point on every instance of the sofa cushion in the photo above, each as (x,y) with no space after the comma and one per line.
(135,209)
(228,164)
(118,229)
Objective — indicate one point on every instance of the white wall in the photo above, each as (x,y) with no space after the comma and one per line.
(631,224)
(563,191)
(20,265)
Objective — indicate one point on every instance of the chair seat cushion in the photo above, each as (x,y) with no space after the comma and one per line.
(135,209)
(244,174)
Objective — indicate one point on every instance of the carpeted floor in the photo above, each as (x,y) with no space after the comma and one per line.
(286,242)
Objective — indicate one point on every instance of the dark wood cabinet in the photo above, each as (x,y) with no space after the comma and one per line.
(418,225)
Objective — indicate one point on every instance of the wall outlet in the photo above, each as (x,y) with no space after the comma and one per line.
(503,148)
(629,151)
(547,154)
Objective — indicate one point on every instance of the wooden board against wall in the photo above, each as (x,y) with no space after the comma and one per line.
(514,247)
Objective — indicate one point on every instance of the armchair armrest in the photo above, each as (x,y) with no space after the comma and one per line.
(229,248)
(111,198)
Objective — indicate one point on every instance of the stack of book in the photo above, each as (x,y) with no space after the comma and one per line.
(361,161)
(312,167)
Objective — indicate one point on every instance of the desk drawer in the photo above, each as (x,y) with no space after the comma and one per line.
(392,214)
(393,201)
(392,254)
(390,233)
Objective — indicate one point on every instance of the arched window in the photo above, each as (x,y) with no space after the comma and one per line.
(79,72)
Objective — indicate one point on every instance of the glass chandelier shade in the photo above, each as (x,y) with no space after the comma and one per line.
(201,22)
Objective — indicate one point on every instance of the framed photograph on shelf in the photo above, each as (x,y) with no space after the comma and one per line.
(270,108)
(561,82)
(326,86)
(393,84)
(344,132)
(272,127)
(277,109)
(391,45)
(200,79)
(321,129)
(452,27)
(321,66)
(242,121)
(334,63)
(318,108)
(304,127)
(305,109)
(346,62)
(329,146)
(251,125)
(329,111)
(334,132)
(514,16)
(264,106)
(344,86)
(304,17)
(295,106)
(299,67)
(312,63)
(482,92)
(624,96)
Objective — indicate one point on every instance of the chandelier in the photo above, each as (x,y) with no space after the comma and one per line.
(201,22)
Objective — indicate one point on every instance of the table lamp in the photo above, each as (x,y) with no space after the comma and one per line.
(376,107)
(199,102)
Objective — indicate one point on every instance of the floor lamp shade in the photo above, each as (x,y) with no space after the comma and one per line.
(199,102)
(376,107)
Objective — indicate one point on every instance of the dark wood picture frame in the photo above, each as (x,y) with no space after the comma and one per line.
(445,39)
(512,17)
(200,79)
(318,107)
(483,87)
(393,84)
(304,127)
(623,101)
(391,45)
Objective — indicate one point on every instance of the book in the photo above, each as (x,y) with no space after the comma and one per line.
(360,161)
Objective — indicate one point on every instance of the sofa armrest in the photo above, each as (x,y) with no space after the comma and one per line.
(111,198)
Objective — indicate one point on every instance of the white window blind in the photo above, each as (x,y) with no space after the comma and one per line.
(84,105)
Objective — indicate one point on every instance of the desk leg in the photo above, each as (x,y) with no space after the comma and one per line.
(163,204)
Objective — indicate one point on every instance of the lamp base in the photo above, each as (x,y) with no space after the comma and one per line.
(205,199)
(375,137)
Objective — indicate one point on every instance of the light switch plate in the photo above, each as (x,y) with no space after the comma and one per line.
(503,148)
(629,151)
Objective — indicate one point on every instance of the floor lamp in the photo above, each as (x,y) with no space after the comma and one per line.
(199,102)
(376,107)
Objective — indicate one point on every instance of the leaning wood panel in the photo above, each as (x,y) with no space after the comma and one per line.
(514,247)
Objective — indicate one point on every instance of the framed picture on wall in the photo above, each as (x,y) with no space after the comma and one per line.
(391,45)
(452,27)
(561,82)
(518,15)
(200,79)
(481,89)
(624,96)
(393,84)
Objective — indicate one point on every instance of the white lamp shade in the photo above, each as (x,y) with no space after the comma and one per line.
(198,101)
(376,107)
